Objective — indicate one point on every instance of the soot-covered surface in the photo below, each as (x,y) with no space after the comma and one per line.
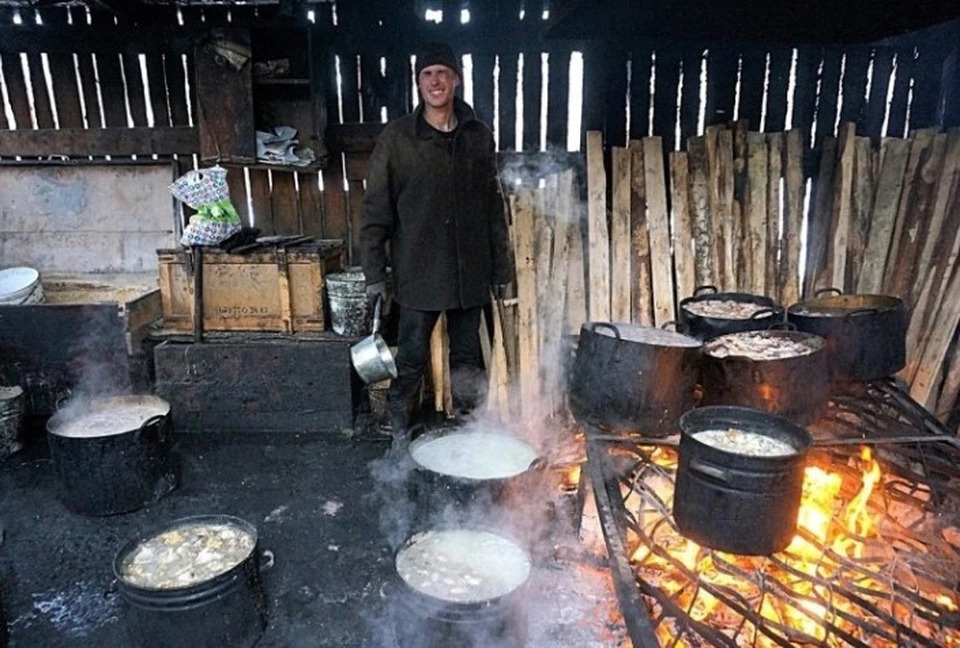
(307,497)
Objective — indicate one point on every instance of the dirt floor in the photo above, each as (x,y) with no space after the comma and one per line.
(311,502)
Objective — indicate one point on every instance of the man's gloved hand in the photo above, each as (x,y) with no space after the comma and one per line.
(499,291)
(378,290)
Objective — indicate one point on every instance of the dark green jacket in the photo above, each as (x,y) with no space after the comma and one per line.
(437,200)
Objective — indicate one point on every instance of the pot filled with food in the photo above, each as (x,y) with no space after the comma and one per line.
(632,378)
(709,313)
(197,577)
(473,468)
(739,479)
(866,334)
(112,454)
(461,587)
(779,372)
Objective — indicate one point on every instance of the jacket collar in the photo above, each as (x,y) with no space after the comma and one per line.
(461,109)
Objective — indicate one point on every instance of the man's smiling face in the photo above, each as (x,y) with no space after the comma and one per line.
(437,85)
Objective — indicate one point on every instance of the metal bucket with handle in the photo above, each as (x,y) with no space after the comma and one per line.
(371,356)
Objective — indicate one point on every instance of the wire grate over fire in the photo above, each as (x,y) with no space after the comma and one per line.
(875,560)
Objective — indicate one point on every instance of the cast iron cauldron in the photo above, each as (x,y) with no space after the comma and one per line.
(632,378)
(227,610)
(424,621)
(795,387)
(738,503)
(866,334)
(115,473)
(704,328)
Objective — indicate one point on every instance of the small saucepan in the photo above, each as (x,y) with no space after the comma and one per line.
(371,356)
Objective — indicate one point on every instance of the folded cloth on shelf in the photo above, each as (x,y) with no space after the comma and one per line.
(280,146)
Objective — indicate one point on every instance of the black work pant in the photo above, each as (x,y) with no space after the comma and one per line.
(467,375)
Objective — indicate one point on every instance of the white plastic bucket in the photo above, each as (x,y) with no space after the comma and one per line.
(20,285)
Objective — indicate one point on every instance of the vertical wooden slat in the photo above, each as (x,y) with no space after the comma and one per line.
(755,211)
(690,100)
(620,236)
(805,90)
(829,87)
(41,98)
(883,214)
(527,297)
(508,101)
(927,68)
(284,204)
(777,90)
(598,263)
(597,73)
(704,268)
(720,161)
(334,200)
(158,90)
(112,90)
(260,201)
(839,229)
(876,107)
(682,234)
(642,287)
(665,95)
(17,90)
(532,84)
(941,226)
(570,210)
(134,83)
(863,189)
(924,384)
(354,219)
(311,204)
(349,90)
(818,226)
(399,75)
(370,87)
(774,166)
(173,67)
(658,218)
(751,86)
(543,240)
(741,230)
(238,193)
(722,65)
(557,89)
(639,92)
(614,64)
(483,87)
(65,91)
(901,90)
(792,219)
(854,83)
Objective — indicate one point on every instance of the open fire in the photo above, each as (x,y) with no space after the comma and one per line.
(875,560)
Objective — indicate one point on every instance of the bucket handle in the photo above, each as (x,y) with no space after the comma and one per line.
(267,561)
(699,289)
(710,471)
(606,325)
(824,291)
(376,314)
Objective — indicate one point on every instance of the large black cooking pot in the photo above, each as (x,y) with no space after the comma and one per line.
(866,334)
(795,387)
(462,498)
(734,502)
(423,621)
(704,328)
(116,473)
(632,378)
(227,610)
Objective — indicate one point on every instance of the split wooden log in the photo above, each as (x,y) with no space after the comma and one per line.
(527,321)
(598,263)
(950,391)
(922,389)
(792,220)
(703,238)
(641,298)
(555,300)
(543,231)
(755,247)
(498,395)
(774,208)
(864,182)
(658,218)
(938,222)
(833,273)
(572,213)
(894,153)
(740,247)
(440,365)
(682,234)
(719,205)
(620,236)
(818,226)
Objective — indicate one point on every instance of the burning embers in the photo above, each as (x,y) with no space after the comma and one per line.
(873,563)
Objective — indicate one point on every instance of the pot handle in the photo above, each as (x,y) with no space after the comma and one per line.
(763,312)
(156,418)
(824,291)
(538,464)
(377,306)
(709,471)
(596,325)
(62,399)
(672,323)
(699,289)
(267,560)
(783,326)
(111,589)
(860,311)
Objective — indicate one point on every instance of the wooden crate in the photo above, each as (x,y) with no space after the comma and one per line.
(271,290)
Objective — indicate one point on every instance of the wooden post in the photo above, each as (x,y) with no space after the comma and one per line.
(792,221)
(755,242)
(661,270)
(703,238)
(682,232)
(598,267)
(883,214)
(642,286)
(620,237)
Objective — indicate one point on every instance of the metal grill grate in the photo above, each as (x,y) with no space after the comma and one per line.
(894,585)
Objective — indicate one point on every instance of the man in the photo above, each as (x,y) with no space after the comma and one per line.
(433,193)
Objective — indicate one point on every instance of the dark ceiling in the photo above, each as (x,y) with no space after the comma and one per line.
(819,21)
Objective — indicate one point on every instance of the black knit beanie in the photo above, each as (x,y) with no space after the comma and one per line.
(437,54)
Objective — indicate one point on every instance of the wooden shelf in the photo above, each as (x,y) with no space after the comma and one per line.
(311,168)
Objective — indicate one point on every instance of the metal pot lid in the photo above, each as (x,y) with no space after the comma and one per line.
(109,416)
(763,345)
(643,334)
(841,305)
(463,566)
(477,454)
